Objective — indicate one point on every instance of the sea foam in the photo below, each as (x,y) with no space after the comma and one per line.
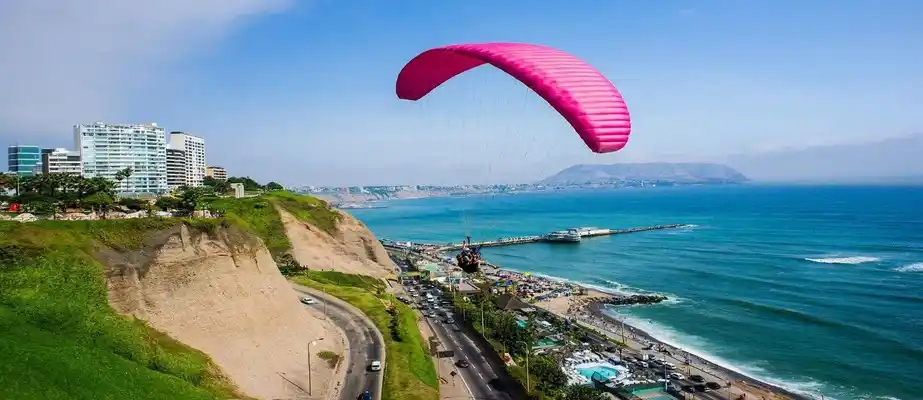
(844,260)
(916,267)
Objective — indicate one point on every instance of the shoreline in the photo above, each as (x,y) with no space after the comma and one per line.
(589,310)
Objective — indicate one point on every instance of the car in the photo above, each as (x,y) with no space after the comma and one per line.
(456,328)
(676,375)
(449,320)
(308,300)
(375,365)
(462,363)
(697,378)
(366,395)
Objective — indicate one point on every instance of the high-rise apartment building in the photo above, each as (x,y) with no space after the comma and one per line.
(176,168)
(105,149)
(24,160)
(217,173)
(61,161)
(194,147)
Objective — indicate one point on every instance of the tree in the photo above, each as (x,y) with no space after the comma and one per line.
(221,187)
(549,373)
(274,186)
(167,203)
(189,199)
(582,392)
(99,201)
(124,174)
(249,184)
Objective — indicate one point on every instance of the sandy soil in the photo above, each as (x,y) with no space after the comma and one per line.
(233,305)
(354,249)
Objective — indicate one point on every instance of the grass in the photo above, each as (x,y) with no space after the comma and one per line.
(60,339)
(367,283)
(330,357)
(409,371)
(307,209)
(259,216)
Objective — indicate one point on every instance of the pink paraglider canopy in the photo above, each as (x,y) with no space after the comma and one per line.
(580,93)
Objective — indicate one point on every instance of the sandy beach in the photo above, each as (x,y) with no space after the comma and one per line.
(587,309)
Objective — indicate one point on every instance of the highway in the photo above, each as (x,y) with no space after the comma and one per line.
(480,377)
(365,344)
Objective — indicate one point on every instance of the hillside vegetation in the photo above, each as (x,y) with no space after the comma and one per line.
(59,337)
(259,215)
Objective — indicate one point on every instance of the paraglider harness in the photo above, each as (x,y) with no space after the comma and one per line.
(470,257)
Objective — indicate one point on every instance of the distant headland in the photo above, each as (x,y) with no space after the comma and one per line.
(574,177)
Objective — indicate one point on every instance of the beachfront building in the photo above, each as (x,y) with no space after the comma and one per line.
(176,168)
(105,149)
(61,161)
(24,160)
(217,173)
(194,149)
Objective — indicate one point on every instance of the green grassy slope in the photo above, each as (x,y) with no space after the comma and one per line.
(60,339)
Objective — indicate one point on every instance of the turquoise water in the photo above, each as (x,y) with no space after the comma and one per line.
(819,289)
(602,370)
(522,324)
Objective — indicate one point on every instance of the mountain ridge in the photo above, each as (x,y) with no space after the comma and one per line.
(660,172)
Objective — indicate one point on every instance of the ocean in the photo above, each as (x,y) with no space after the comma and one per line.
(817,289)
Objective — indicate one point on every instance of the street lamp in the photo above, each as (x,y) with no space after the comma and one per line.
(310,344)
(528,376)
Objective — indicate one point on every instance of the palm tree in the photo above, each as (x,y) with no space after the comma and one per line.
(123,174)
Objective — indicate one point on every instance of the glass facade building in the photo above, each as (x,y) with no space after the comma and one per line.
(24,160)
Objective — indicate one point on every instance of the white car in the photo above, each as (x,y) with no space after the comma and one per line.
(308,300)
(676,375)
(375,366)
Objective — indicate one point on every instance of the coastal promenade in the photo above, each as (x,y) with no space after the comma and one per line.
(546,238)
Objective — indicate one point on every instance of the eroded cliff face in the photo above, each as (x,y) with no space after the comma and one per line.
(353,249)
(225,296)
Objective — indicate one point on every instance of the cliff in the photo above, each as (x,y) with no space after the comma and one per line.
(222,293)
(678,173)
(152,308)
(352,248)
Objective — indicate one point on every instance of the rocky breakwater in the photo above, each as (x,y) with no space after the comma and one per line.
(221,292)
(633,299)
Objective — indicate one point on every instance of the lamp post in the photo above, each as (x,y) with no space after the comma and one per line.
(310,344)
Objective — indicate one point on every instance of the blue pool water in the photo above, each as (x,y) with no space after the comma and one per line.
(603,370)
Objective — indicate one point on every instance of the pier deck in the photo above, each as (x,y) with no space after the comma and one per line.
(542,238)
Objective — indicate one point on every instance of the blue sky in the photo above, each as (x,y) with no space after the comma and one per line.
(303,91)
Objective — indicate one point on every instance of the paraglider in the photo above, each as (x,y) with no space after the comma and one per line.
(580,93)
(469,259)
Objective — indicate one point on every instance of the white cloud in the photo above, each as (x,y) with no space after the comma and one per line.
(65,61)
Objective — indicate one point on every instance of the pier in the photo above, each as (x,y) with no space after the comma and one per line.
(548,237)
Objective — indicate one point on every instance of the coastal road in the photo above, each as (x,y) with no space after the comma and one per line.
(480,377)
(365,344)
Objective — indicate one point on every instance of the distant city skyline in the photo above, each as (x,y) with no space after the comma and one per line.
(303,92)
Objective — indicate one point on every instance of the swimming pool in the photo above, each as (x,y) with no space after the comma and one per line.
(606,371)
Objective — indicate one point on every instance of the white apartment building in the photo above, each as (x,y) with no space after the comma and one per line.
(61,161)
(194,147)
(176,168)
(106,149)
